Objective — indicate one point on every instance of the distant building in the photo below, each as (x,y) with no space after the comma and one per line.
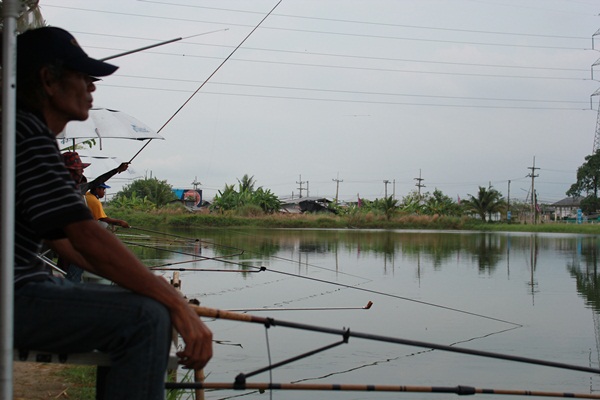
(303,204)
(567,207)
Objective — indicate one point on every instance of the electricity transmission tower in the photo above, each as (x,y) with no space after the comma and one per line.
(597,135)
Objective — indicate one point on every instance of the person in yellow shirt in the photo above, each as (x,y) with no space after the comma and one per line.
(92,198)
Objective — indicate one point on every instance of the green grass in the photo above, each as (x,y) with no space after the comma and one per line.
(185,219)
(81,380)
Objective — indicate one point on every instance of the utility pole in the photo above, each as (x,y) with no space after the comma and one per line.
(196,183)
(419,184)
(394,189)
(385,182)
(337,186)
(300,188)
(508,203)
(533,196)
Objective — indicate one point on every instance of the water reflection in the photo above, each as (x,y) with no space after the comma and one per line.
(548,283)
(584,268)
(488,252)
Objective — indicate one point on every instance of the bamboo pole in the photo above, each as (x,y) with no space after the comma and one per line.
(459,390)
(268,322)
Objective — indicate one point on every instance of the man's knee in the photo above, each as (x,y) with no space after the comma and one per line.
(157,315)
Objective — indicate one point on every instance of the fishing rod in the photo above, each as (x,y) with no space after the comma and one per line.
(185,238)
(158,44)
(367,307)
(158,267)
(50,263)
(459,390)
(268,322)
(207,79)
(209,270)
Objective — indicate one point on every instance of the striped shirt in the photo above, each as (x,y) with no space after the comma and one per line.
(46,198)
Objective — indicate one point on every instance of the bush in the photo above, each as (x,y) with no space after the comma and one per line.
(249,210)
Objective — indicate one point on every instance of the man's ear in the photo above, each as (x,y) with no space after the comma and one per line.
(48,81)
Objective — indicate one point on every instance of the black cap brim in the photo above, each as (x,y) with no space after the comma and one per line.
(91,66)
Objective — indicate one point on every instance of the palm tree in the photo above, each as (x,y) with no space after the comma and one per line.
(389,206)
(487,202)
(246,184)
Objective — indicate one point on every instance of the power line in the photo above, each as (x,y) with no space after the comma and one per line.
(357,92)
(328,54)
(353,101)
(408,71)
(370,23)
(318,32)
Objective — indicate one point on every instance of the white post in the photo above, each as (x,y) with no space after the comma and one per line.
(10,13)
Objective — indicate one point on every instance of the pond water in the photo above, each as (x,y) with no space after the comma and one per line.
(529,295)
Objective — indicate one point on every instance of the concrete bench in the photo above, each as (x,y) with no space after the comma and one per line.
(92,358)
(100,360)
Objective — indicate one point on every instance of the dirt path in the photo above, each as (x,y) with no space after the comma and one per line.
(37,381)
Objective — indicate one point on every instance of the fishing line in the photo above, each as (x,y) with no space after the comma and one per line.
(367,307)
(207,79)
(269,358)
(379,362)
(355,287)
(383,293)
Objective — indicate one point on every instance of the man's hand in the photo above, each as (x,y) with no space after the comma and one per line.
(197,337)
(123,167)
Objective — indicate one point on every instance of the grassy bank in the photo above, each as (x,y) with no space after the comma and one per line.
(183,219)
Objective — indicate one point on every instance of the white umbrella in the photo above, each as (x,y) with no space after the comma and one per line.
(105,123)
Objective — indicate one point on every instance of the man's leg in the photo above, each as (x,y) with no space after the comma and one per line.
(63,317)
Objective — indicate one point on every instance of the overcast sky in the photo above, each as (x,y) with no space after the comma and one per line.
(462,93)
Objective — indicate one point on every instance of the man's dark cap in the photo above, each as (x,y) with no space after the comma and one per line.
(49,44)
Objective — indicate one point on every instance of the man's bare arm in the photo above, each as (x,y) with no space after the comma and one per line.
(64,248)
(112,260)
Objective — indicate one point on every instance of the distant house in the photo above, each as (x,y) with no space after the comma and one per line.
(303,204)
(567,207)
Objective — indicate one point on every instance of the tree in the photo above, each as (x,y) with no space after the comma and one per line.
(440,204)
(246,184)
(487,202)
(230,199)
(389,206)
(156,191)
(413,202)
(588,177)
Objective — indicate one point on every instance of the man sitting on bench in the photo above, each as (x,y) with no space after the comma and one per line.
(131,322)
